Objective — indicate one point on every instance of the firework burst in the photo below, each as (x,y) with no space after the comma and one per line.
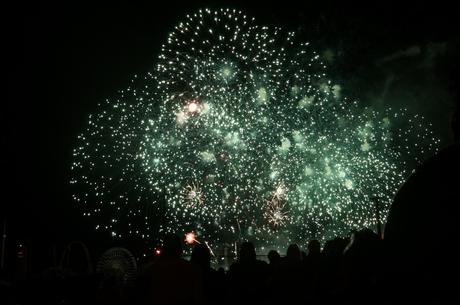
(239,108)
(192,195)
(275,212)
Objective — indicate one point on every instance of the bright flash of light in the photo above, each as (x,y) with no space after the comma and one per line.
(193,107)
(190,238)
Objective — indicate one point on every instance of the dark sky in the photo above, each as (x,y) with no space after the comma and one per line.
(67,57)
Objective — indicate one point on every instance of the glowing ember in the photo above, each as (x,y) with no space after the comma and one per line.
(190,238)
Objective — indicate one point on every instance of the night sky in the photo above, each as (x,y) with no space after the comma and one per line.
(67,57)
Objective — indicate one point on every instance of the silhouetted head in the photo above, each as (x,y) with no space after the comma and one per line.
(201,256)
(335,247)
(314,247)
(273,257)
(293,253)
(365,236)
(172,247)
(247,252)
(363,241)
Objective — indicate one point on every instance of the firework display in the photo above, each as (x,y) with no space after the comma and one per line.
(237,133)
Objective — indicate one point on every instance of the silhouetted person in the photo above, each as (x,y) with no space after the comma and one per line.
(289,280)
(313,266)
(361,266)
(422,229)
(274,259)
(175,280)
(330,276)
(293,255)
(247,277)
(314,248)
(213,281)
(274,265)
